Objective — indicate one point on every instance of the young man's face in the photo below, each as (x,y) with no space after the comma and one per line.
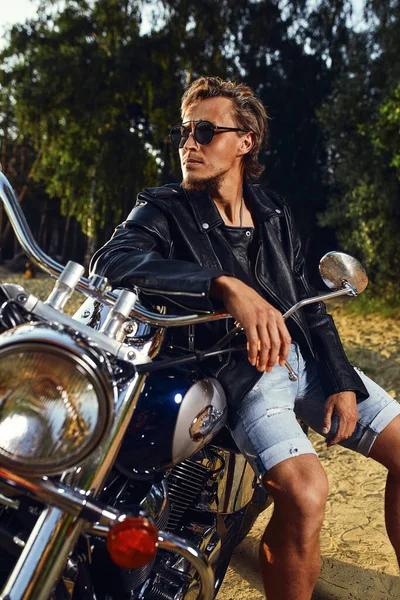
(204,166)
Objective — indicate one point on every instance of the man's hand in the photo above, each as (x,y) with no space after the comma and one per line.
(267,336)
(344,406)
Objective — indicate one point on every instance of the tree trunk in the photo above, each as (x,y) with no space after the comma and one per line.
(65,239)
(90,224)
(21,197)
(91,248)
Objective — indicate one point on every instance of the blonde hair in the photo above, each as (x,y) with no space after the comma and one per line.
(249,113)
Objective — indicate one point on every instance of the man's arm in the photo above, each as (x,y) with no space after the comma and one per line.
(268,339)
(139,254)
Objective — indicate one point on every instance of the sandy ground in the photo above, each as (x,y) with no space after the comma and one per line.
(358,560)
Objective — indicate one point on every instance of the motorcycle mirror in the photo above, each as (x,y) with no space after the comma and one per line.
(337,268)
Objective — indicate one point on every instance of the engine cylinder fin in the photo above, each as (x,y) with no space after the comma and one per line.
(197,469)
(185,494)
(156,593)
(194,481)
(185,482)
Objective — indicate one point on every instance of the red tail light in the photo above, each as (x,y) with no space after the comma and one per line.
(132,543)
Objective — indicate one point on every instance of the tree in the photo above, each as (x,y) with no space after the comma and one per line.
(361,126)
(81,97)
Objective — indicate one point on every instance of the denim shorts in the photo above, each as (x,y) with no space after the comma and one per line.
(267,431)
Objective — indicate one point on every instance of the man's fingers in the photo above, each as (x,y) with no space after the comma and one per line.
(339,436)
(252,344)
(267,336)
(344,406)
(264,348)
(345,430)
(275,345)
(327,418)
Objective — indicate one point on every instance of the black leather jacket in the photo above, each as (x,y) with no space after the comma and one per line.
(166,248)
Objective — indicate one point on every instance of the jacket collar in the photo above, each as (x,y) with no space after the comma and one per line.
(207,215)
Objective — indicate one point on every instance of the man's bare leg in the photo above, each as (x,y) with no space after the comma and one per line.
(386,450)
(289,550)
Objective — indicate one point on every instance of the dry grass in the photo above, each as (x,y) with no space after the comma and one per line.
(372,343)
(40,286)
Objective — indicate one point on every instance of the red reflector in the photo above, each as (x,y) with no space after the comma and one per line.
(132,543)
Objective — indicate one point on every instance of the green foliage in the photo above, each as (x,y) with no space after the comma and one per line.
(385,136)
(78,96)
(92,88)
(361,121)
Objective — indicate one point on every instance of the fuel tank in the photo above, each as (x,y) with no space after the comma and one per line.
(176,415)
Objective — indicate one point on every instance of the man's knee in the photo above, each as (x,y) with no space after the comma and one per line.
(299,487)
(386,449)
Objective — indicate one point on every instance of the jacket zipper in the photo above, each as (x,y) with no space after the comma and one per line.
(167,292)
(229,354)
(191,337)
(278,301)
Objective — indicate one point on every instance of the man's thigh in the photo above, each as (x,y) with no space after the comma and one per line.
(265,426)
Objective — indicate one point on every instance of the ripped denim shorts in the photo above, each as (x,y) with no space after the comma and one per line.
(267,431)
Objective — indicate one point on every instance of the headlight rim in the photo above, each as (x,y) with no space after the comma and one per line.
(77,350)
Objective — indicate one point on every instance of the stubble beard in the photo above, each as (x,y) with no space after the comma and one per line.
(196,184)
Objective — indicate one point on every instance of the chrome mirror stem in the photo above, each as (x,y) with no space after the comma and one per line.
(348,290)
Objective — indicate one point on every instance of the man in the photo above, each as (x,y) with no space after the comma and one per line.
(218,241)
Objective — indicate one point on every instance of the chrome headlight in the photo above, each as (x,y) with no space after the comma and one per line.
(55,401)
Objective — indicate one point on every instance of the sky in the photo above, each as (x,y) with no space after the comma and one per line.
(16,11)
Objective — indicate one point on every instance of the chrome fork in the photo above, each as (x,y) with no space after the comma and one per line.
(56,532)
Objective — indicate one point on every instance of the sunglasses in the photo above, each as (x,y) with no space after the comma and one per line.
(203,133)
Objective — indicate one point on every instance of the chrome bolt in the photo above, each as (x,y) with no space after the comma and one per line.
(129,328)
(22,298)
(131,355)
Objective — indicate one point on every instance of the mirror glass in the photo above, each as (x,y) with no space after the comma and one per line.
(338,267)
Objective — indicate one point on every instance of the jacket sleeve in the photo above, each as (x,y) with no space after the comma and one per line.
(335,371)
(140,254)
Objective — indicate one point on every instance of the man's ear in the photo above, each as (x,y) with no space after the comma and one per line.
(246,143)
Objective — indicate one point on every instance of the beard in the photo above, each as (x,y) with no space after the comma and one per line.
(196,184)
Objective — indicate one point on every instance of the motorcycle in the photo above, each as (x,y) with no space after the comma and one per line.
(118,476)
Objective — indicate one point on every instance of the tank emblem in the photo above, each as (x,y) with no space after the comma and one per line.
(204,422)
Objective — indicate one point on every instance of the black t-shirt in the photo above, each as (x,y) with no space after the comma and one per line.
(243,244)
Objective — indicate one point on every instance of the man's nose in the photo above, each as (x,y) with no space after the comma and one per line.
(191,141)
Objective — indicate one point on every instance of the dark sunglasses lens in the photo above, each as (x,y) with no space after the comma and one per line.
(204,132)
(175,136)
